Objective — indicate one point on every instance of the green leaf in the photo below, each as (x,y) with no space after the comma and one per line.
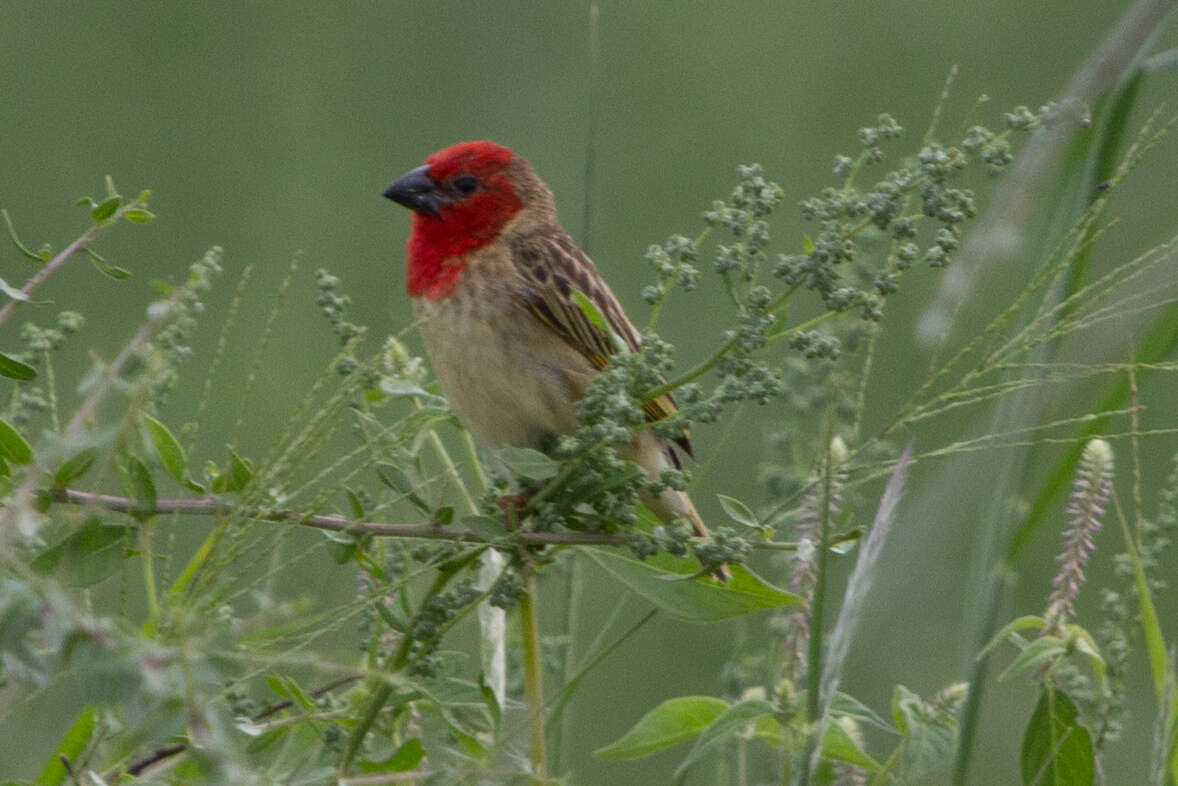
(13,446)
(528,463)
(770,731)
(167,447)
(14,369)
(670,723)
(702,599)
(107,269)
(106,672)
(598,320)
(395,478)
(241,471)
(725,726)
(106,208)
(1174,755)
(489,528)
(738,511)
(138,215)
(1041,649)
(141,482)
(491,700)
(1057,750)
(24,250)
(288,688)
(49,558)
(403,759)
(341,546)
(70,748)
(848,706)
(20,614)
(355,506)
(95,552)
(590,310)
(401,388)
(75,467)
(838,745)
(1082,641)
(265,739)
(929,738)
(1019,623)
(12,291)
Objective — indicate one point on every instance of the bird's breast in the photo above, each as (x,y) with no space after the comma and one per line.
(509,378)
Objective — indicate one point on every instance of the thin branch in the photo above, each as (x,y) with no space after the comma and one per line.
(19,500)
(50,267)
(47,269)
(165,752)
(214,506)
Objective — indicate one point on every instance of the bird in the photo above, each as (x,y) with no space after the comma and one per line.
(492,274)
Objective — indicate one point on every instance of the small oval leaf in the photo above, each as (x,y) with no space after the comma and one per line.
(142,483)
(138,215)
(12,291)
(26,252)
(75,467)
(672,722)
(738,511)
(106,208)
(13,446)
(14,369)
(241,471)
(395,478)
(528,463)
(167,447)
(107,269)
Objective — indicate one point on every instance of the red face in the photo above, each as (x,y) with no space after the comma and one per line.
(461,198)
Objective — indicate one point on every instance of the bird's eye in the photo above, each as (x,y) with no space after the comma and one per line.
(466,184)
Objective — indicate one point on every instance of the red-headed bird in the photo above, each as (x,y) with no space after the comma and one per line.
(492,271)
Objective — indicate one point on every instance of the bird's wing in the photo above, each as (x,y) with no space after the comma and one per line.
(554,267)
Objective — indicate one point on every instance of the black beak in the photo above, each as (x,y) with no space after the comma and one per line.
(417,192)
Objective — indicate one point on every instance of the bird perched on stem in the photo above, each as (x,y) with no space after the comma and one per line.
(494,274)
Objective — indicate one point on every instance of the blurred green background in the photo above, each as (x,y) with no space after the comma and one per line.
(269,128)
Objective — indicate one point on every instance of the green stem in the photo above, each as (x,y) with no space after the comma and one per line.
(710,363)
(807,324)
(533,675)
(817,608)
(145,554)
(1155,643)
(472,455)
(452,468)
(382,688)
(556,483)
(376,702)
(573,586)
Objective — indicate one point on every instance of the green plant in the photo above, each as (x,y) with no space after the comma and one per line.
(195,665)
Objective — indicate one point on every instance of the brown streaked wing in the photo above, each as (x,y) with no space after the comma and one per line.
(553,266)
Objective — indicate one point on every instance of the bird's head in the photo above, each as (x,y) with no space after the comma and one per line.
(461,198)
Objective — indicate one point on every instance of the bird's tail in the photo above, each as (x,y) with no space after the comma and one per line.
(656,455)
(672,504)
